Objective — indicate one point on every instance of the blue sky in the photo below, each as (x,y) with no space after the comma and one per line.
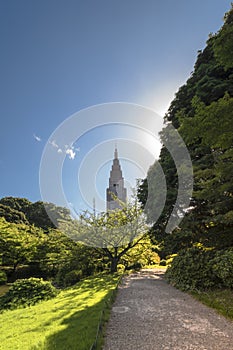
(59,57)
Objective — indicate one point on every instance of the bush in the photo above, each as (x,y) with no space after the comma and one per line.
(72,277)
(191,269)
(222,266)
(163,262)
(27,292)
(3,277)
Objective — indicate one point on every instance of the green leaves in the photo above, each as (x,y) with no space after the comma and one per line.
(25,292)
(18,243)
(223,44)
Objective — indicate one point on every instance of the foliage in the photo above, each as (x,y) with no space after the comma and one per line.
(53,251)
(142,254)
(27,292)
(163,262)
(29,252)
(72,277)
(222,266)
(19,204)
(223,45)
(40,214)
(85,261)
(17,243)
(3,277)
(12,215)
(114,232)
(202,113)
(191,269)
(46,215)
(61,323)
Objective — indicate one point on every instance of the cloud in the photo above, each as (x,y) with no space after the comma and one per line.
(53,143)
(68,149)
(71,153)
(37,138)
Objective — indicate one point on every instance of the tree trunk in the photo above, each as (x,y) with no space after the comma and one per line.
(114,263)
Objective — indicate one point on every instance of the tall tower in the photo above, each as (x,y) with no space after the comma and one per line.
(116,185)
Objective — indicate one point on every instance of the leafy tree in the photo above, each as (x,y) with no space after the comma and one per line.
(17,243)
(46,215)
(40,214)
(213,126)
(20,204)
(223,45)
(201,111)
(112,234)
(12,215)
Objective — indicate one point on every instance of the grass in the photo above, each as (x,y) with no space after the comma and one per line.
(221,300)
(67,322)
(3,289)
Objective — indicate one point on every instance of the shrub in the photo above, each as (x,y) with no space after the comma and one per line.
(27,292)
(222,266)
(191,269)
(163,262)
(72,277)
(120,268)
(3,277)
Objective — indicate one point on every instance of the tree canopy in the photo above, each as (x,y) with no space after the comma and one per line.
(202,113)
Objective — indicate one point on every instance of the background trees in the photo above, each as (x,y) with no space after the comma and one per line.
(22,210)
(112,234)
(202,112)
(30,246)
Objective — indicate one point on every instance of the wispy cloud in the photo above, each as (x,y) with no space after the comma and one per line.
(37,138)
(67,149)
(54,144)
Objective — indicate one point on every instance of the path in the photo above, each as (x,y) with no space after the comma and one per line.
(149,314)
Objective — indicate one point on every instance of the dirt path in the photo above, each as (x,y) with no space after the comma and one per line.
(149,314)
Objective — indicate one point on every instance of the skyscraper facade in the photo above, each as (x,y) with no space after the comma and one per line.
(116,185)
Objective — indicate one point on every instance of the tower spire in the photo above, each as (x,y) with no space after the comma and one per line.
(116,184)
(116,152)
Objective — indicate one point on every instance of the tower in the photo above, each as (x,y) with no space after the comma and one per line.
(116,185)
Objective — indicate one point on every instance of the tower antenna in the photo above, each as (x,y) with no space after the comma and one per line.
(94,206)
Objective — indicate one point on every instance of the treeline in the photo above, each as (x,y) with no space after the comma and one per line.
(21,210)
(32,246)
(202,112)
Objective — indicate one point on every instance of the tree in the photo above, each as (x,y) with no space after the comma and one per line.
(212,125)
(17,243)
(20,204)
(223,45)
(202,113)
(46,215)
(40,214)
(112,234)
(12,215)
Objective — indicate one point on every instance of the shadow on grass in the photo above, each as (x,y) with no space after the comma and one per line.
(80,327)
(79,330)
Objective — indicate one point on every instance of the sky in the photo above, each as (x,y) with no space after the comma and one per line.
(60,57)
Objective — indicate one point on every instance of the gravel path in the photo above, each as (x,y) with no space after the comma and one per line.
(149,314)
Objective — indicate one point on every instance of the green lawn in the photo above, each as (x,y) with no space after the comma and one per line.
(67,322)
(221,300)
